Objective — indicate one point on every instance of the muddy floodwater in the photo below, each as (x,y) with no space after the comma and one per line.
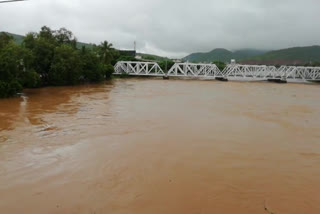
(153,146)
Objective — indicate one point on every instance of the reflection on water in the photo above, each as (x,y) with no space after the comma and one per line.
(155,146)
(32,108)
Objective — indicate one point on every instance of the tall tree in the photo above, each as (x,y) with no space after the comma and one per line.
(91,66)
(66,66)
(5,39)
(15,63)
(64,36)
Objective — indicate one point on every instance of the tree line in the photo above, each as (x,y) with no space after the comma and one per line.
(52,58)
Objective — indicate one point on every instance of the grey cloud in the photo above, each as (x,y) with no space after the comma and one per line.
(173,27)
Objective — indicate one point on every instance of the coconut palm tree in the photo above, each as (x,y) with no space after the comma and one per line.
(106,51)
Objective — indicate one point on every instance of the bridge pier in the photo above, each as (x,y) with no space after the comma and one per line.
(278,80)
(223,79)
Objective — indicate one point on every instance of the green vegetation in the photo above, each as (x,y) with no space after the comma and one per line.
(51,58)
(220,65)
(165,65)
(315,64)
(12,72)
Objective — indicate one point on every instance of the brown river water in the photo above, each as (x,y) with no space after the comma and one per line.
(153,146)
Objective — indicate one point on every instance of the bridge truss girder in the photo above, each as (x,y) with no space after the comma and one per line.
(138,68)
(194,70)
(264,72)
(299,73)
(249,71)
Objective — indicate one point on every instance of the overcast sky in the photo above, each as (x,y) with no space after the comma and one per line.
(173,28)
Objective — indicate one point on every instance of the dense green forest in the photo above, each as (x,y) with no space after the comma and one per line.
(52,58)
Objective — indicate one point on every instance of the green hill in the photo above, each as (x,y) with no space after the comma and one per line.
(247,53)
(216,54)
(17,38)
(223,55)
(81,44)
(289,56)
(152,57)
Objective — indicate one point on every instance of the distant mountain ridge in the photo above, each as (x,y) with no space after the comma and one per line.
(17,38)
(224,55)
(152,57)
(288,56)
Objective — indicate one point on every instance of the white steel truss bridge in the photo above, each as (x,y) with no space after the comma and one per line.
(211,71)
